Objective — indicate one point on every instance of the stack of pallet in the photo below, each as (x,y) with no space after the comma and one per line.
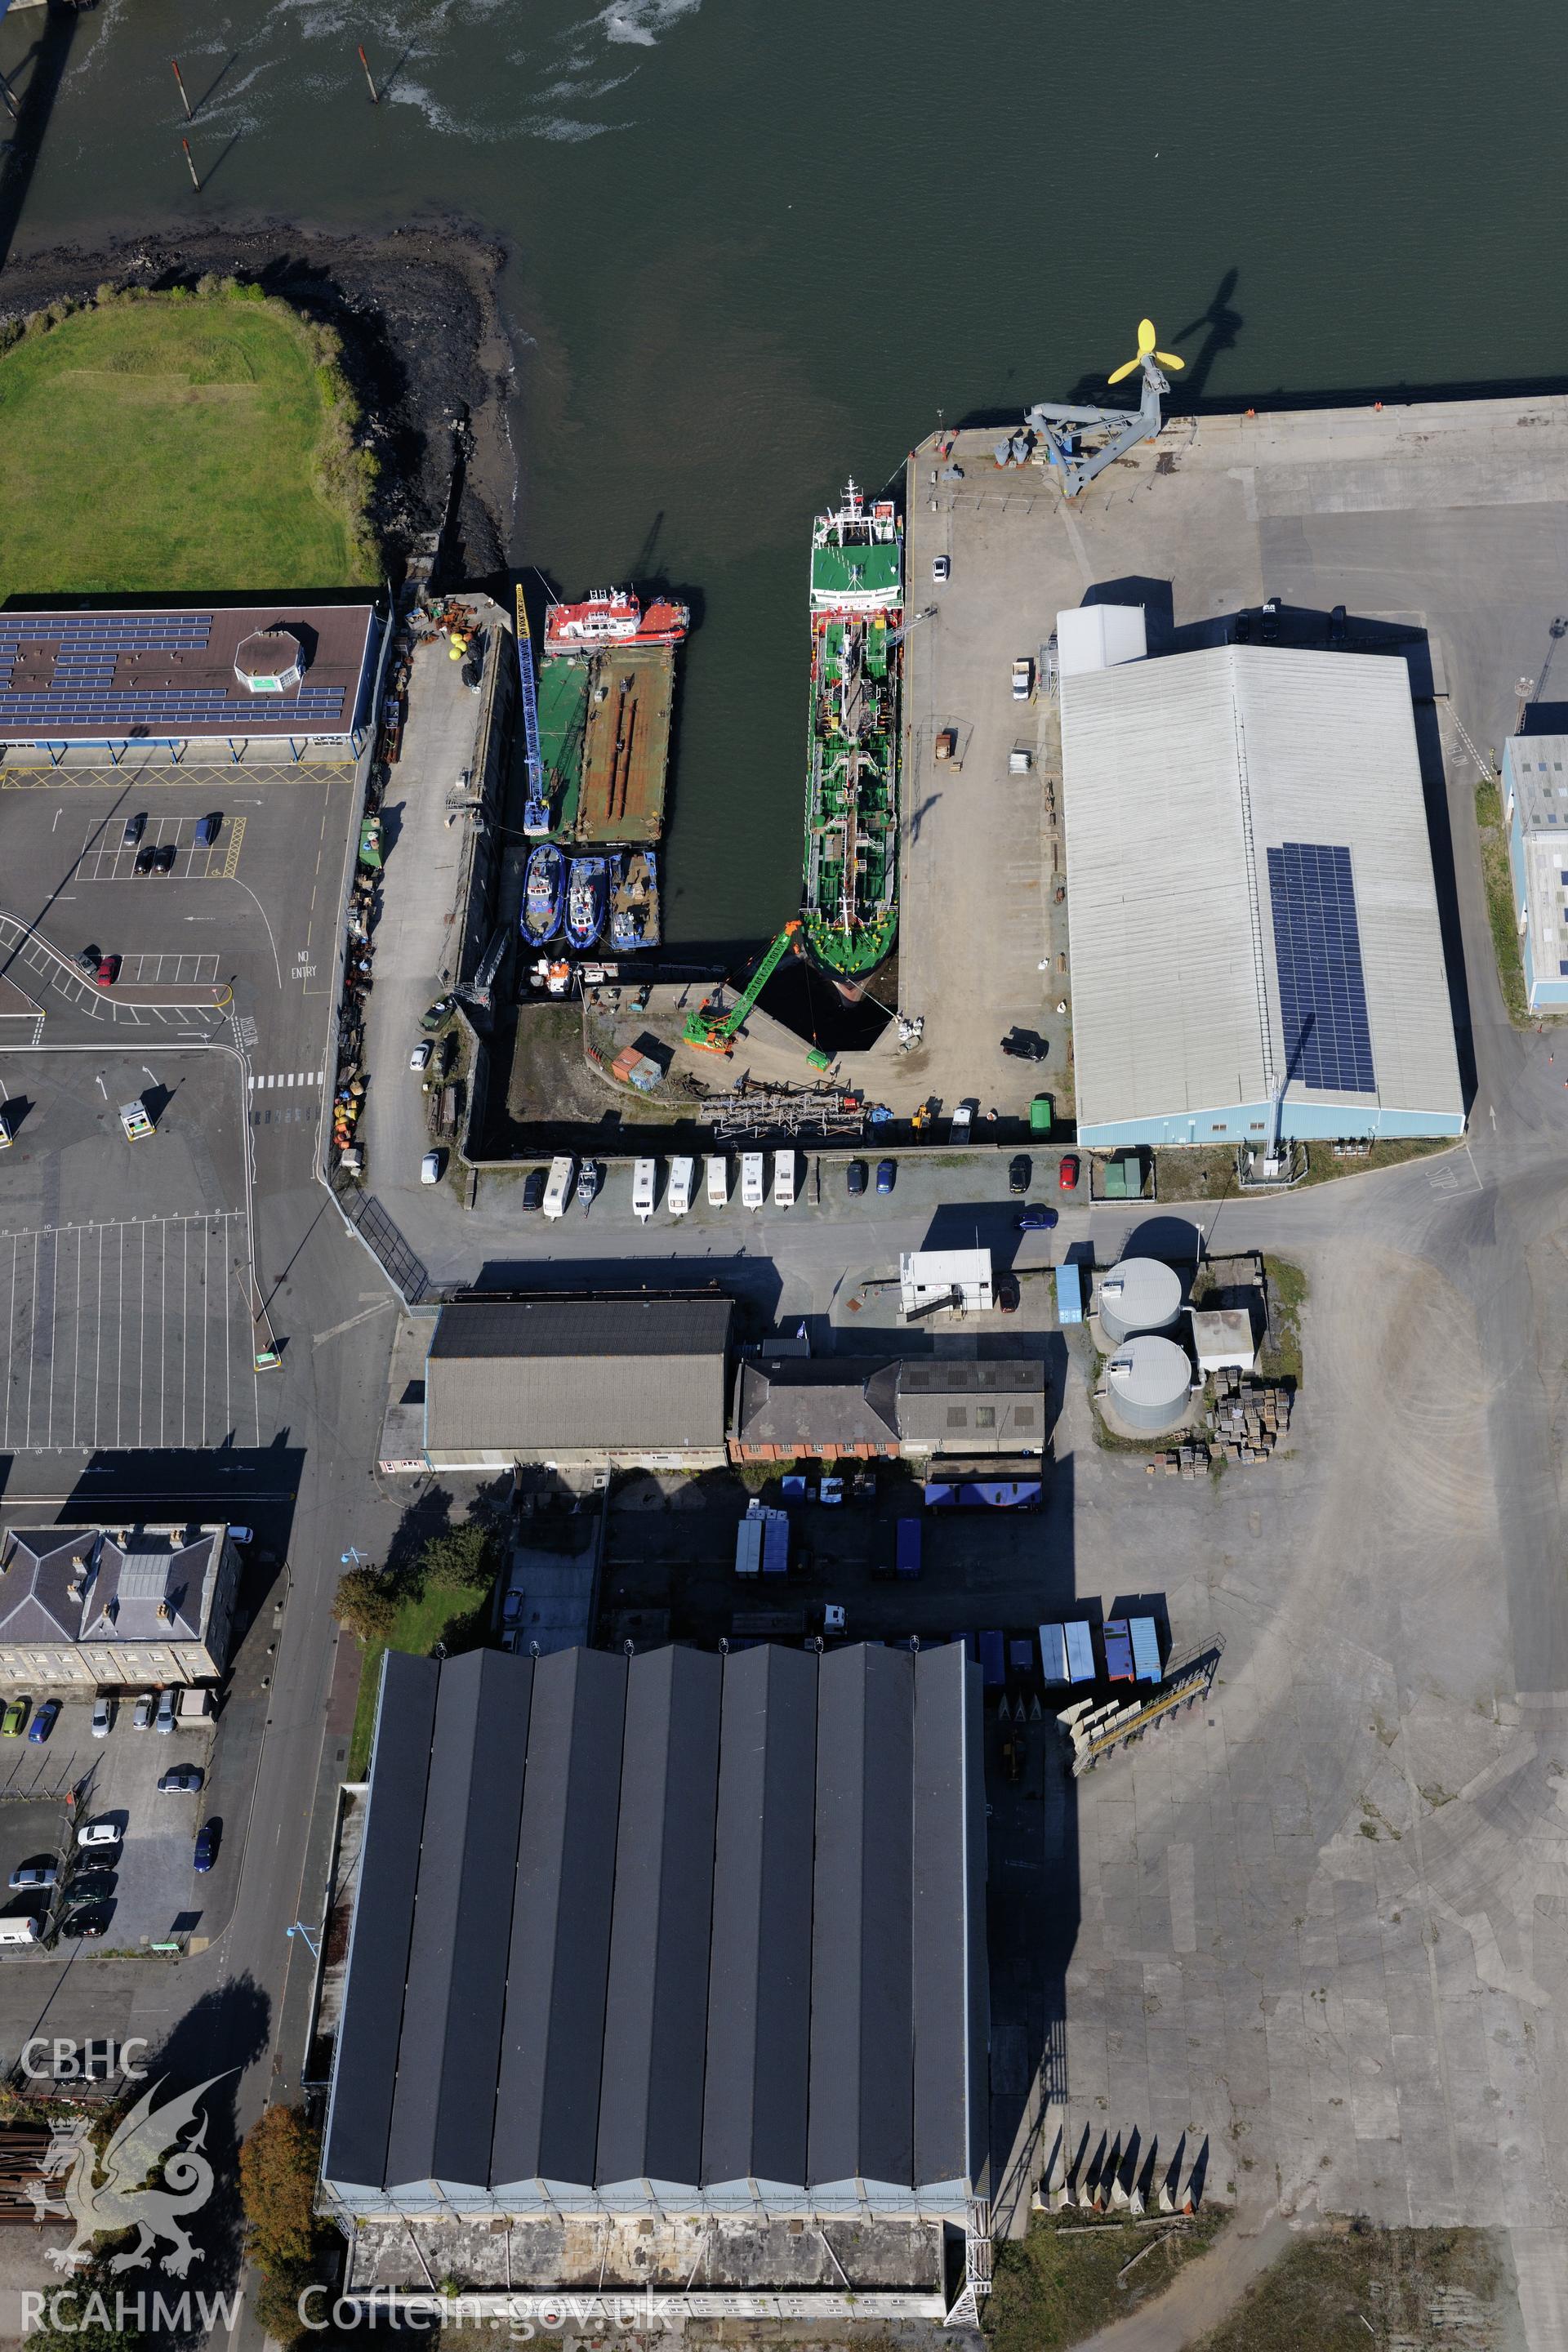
(1249,1418)
(1181,1462)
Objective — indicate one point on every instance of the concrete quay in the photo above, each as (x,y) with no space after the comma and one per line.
(1447,517)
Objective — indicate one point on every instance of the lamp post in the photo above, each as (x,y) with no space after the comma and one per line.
(298,1928)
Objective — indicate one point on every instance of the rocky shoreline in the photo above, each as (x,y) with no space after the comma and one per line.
(424,344)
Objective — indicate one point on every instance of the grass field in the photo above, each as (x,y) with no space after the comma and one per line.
(1355,2289)
(1501,913)
(1070,2277)
(423,1620)
(180,443)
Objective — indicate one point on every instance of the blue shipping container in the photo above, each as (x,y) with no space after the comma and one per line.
(1070,1294)
(993,1659)
(908,1553)
(1081,1652)
(1145,1648)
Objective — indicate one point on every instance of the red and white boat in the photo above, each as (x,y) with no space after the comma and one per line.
(613,616)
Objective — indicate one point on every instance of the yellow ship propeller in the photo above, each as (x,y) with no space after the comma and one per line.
(1146,351)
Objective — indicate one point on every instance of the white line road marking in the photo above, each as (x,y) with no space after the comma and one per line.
(337,1328)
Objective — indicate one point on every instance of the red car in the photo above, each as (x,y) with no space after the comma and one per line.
(108,970)
(1066,1175)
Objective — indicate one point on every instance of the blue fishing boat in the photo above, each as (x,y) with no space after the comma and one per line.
(543,893)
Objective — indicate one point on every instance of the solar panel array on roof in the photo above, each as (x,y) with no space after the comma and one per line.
(1317,953)
(666,1933)
(76,674)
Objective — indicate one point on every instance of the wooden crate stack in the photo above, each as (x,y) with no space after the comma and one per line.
(1250,1418)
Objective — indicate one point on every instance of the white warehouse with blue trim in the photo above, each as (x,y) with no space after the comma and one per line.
(1252,914)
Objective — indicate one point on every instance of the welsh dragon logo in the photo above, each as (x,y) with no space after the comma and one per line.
(145,2144)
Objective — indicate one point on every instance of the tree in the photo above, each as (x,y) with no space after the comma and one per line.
(278,2309)
(279,2159)
(79,2314)
(365,1605)
(458,1560)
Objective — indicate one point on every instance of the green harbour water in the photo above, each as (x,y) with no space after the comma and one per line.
(755,249)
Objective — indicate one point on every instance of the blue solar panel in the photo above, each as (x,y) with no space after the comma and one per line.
(1317,953)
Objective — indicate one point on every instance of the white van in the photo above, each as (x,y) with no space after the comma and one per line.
(644,1188)
(558,1192)
(23,1930)
(783,1179)
(718,1181)
(682,1175)
(751,1193)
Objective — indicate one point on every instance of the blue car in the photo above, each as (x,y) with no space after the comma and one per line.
(887,1174)
(1037,1219)
(45,1720)
(206,1847)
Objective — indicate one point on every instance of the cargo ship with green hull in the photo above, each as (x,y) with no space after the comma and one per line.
(851,893)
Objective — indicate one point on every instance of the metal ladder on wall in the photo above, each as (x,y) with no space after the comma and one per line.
(977,2252)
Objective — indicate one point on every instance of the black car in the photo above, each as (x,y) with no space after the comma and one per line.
(146,859)
(205,1853)
(1339,627)
(1024,1046)
(163,858)
(135,827)
(533,1185)
(1242,633)
(90,1921)
(207,829)
(1019,1172)
(855,1178)
(1268,623)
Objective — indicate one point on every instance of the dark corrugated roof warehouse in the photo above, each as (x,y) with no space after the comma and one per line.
(671,1933)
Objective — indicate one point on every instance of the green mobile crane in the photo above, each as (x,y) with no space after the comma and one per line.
(710,1029)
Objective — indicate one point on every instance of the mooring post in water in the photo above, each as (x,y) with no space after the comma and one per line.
(180,78)
(10,96)
(374,93)
(190,167)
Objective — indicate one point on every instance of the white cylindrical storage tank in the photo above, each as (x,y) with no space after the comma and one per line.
(1139,1294)
(1149,1381)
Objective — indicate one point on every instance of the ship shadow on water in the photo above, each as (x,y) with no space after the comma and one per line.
(35,85)
(803,999)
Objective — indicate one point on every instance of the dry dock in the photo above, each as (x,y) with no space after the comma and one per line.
(1450,516)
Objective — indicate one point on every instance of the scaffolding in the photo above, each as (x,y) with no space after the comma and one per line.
(783,1111)
(1099,1731)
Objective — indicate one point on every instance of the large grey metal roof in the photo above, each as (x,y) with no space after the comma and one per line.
(1178,776)
(532,1376)
(639,1933)
(845,1401)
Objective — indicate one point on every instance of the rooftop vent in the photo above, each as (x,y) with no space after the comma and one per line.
(270,661)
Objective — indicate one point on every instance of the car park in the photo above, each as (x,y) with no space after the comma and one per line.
(141,1712)
(13,1723)
(102,1716)
(430,1166)
(1037,1218)
(207,829)
(108,970)
(164,1720)
(135,827)
(94,1835)
(180,1780)
(31,1874)
(855,1178)
(1019,1171)
(146,859)
(43,1722)
(1066,1174)
(887,1175)
(420,1057)
(533,1185)
(205,1853)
